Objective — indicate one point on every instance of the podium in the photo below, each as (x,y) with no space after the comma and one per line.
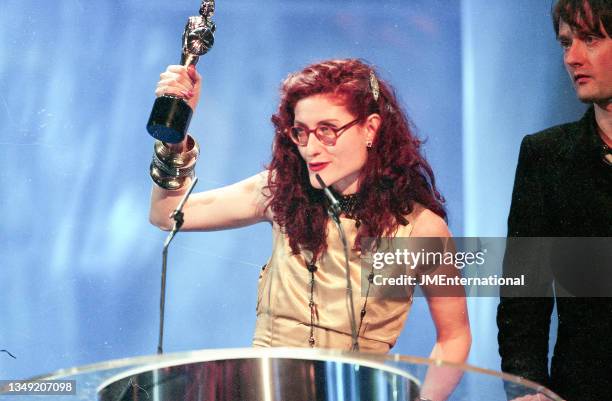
(282,374)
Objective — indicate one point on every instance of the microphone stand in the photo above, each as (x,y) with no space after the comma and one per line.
(177,216)
(334,212)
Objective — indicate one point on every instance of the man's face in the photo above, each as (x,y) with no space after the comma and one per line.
(588,60)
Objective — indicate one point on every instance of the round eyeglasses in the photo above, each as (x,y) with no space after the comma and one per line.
(326,134)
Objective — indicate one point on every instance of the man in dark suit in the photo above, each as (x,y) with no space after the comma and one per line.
(563,188)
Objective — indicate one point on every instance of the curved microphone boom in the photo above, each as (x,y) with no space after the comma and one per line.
(177,216)
(334,212)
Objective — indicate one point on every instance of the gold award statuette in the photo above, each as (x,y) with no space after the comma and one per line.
(170,117)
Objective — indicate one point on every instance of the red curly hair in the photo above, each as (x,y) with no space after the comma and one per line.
(394,177)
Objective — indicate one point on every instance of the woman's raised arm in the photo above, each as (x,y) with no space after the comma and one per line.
(236,205)
(232,206)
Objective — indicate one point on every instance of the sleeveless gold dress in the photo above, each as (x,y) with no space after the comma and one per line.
(283,314)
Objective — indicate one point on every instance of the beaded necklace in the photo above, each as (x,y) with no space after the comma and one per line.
(348,205)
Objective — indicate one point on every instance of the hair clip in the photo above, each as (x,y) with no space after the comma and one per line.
(374,86)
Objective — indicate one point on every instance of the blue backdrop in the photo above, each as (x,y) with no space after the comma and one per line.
(80,264)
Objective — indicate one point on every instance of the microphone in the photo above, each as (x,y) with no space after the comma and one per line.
(334,211)
(177,216)
(334,206)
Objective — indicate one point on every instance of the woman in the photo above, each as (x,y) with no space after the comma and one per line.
(338,120)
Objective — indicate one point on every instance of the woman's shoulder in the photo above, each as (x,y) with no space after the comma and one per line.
(423,222)
(265,194)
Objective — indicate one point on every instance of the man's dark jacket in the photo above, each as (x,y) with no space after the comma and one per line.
(562,188)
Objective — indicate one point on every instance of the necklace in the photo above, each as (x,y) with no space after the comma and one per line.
(349,205)
(312,268)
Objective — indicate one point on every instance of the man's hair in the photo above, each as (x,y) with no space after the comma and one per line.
(592,14)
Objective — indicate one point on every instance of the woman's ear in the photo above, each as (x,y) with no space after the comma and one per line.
(372,125)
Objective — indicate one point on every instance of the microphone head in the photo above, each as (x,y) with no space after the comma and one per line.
(320,180)
(334,204)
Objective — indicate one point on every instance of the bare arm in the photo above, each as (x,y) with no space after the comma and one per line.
(237,205)
(453,342)
(449,313)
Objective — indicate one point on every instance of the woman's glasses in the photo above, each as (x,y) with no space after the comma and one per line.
(326,134)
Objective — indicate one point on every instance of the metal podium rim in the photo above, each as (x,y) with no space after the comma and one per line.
(139,362)
(261,353)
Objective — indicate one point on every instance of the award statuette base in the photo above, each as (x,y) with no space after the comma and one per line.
(169,119)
